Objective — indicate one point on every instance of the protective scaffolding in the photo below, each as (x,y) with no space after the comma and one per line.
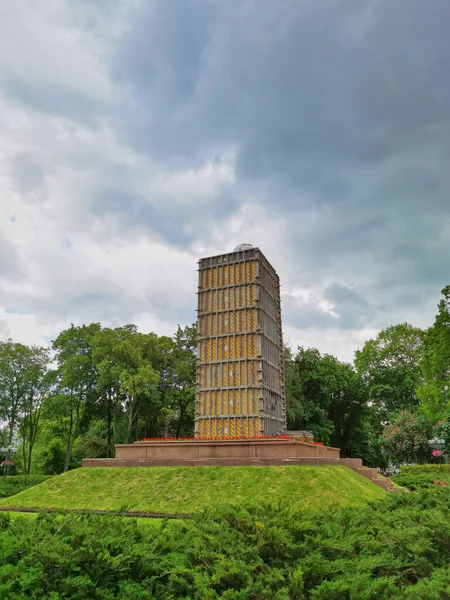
(240,375)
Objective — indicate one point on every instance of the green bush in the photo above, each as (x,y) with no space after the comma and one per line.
(416,477)
(398,548)
(422,481)
(14,484)
(422,469)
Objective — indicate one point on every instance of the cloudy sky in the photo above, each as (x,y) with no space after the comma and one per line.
(137,136)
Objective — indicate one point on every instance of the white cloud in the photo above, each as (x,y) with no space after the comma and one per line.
(42,45)
(338,342)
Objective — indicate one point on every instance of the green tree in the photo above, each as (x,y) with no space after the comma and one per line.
(23,386)
(306,400)
(76,381)
(40,382)
(108,361)
(390,367)
(325,396)
(434,392)
(180,380)
(137,356)
(14,384)
(405,438)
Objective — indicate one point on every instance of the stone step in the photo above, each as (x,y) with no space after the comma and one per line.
(385,483)
(368,472)
(352,463)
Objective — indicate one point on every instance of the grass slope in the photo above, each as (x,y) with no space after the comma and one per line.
(186,489)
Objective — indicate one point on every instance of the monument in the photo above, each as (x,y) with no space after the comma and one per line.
(240,411)
(240,378)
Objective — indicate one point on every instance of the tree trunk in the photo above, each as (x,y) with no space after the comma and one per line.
(12,422)
(109,422)
(69,445)
(68,455)
(130,419)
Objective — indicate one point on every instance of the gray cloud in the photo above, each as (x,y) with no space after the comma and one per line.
(349,310)
(335,115)
(338,106)
(10,264)
(27,174)
(57,100)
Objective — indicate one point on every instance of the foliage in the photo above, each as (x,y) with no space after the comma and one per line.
(405,439)
(53,457)
(435,390)
(419,481)
(109,386)
(24,384)
(397,549)
(441,431)
(187,489)
(424,469)
(390,367)
(325,396)
(11,485)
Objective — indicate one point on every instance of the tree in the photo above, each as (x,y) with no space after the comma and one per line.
(180,380)
(306,402)
(390,367)
(435,389)
(40,381)
(107,361)
(325,396)
(347,408)
(405,438)
(23,386)
(14,383)
(76,380)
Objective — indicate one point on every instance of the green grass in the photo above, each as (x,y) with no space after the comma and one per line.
(187,489)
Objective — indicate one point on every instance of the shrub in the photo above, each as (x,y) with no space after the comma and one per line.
(405,439)
(418,482)
(424,469)
(399,548)
(416,477)
(14,484)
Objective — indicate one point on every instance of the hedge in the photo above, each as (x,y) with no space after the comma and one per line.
(422,469)
(398,548)
(14,484)
(423,481)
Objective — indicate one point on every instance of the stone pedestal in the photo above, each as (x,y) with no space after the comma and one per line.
(218,452)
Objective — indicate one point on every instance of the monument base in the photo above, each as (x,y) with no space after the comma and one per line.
(232,453)
(256,452)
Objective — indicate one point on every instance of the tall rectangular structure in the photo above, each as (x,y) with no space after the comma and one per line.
(240,377)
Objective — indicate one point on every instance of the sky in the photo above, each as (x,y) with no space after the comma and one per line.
(137,136)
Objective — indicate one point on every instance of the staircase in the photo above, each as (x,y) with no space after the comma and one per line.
(355,464)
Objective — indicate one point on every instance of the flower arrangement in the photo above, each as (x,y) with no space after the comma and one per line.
(220,437)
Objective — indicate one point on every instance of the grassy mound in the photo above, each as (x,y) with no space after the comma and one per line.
(187,489)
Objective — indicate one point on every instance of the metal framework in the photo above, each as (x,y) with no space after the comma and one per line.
(240,375)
